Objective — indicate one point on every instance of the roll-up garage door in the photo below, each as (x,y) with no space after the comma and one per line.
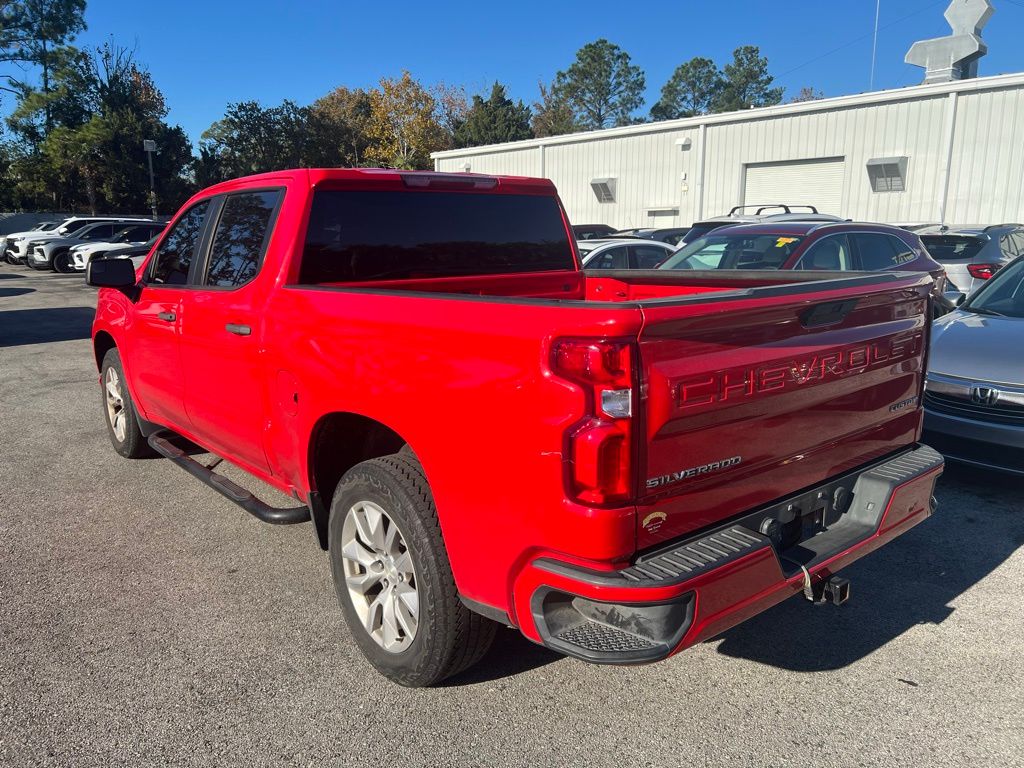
(816,182)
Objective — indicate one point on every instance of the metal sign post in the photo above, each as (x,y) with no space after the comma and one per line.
(150,147)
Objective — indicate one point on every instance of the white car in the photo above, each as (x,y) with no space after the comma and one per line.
(20,244)
(624,253)
(82,254)
(43,226)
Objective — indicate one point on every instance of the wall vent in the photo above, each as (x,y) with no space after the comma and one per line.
(888,174)
(604,189)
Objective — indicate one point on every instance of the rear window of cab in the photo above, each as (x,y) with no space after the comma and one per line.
(364,235)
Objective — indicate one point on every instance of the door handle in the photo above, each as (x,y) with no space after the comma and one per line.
(238,330)
(167,316)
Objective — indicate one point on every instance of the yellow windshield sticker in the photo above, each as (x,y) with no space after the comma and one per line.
(780,242)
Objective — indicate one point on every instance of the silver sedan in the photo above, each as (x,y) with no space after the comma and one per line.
(623,253)
(974,393)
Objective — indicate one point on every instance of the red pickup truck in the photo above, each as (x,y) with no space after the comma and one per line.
(619,464)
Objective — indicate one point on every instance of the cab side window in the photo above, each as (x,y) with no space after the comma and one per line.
(241,238)
(174,257)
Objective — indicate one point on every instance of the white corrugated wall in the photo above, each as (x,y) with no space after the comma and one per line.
(986,179)
(974,126)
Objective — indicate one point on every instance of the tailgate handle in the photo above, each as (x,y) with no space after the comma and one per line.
(829,313)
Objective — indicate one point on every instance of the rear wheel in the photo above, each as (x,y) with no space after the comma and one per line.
(122,420)
(393,578)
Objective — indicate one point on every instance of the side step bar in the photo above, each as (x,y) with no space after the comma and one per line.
(161,443)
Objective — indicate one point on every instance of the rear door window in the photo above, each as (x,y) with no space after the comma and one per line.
(356,236)
(241,237)
(877,252)
(832,253)
(174,257)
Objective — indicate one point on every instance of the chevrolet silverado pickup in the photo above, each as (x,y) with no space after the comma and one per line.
(618,464)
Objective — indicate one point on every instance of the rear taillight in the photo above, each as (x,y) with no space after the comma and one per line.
(982,271)
(599,446)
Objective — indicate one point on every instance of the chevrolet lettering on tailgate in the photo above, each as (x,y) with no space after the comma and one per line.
(737,385)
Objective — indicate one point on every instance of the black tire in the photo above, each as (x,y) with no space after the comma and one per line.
(133,445)
(449,637)
(62,263)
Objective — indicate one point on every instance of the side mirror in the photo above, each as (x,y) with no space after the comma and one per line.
(956,298)
(110,273)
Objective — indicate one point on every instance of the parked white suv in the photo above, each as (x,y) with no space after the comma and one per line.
(20,244)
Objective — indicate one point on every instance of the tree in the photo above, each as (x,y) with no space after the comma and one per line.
(403,124)
(552,115)
(102,105)
(340,123)
(252,139)
(493,121)
(451,110)
(36,33)
(807,93)
(747,82)
(691,90)
(602,86)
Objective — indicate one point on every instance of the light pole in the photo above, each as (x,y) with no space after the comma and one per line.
(150,147)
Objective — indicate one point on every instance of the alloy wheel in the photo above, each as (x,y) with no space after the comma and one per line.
(380,576)
(115,404)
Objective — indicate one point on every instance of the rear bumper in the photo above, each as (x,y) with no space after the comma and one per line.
(696,589)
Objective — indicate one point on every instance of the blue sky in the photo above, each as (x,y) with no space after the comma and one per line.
(204,55)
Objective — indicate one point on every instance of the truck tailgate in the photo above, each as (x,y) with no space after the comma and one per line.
(748,399)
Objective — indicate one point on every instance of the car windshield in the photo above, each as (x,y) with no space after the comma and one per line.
(948,247)
(1002,294)
(724,250)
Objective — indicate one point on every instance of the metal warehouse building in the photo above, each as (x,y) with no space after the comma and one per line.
(948,152)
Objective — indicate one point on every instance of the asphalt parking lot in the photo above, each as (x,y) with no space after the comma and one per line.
(146,620)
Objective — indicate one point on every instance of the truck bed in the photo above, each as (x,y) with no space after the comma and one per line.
(794,401)
(622,286)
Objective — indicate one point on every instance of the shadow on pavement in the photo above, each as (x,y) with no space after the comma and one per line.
(910,581)
(7,292)
(10,276)
(39,326)
(512,654)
